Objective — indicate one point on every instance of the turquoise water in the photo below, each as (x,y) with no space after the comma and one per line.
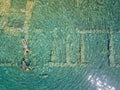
(74,47)
(12,78)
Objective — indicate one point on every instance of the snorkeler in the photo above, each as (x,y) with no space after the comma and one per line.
(25,66)
(26,49)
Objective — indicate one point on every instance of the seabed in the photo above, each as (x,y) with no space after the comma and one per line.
(75,44)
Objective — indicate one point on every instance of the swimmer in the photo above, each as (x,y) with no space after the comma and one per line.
(26,49)
(24,65)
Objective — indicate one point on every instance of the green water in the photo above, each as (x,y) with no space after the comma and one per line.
(60,35)
(12,78)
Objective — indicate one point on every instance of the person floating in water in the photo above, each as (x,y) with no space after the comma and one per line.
(25,65)
(26,49)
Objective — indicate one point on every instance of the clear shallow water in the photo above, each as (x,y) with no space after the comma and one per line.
(60,79)
(61,35)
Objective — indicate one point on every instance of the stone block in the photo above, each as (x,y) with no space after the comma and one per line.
(18,4)
(116,48)
(73,48)
(96,49)
(16,20)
